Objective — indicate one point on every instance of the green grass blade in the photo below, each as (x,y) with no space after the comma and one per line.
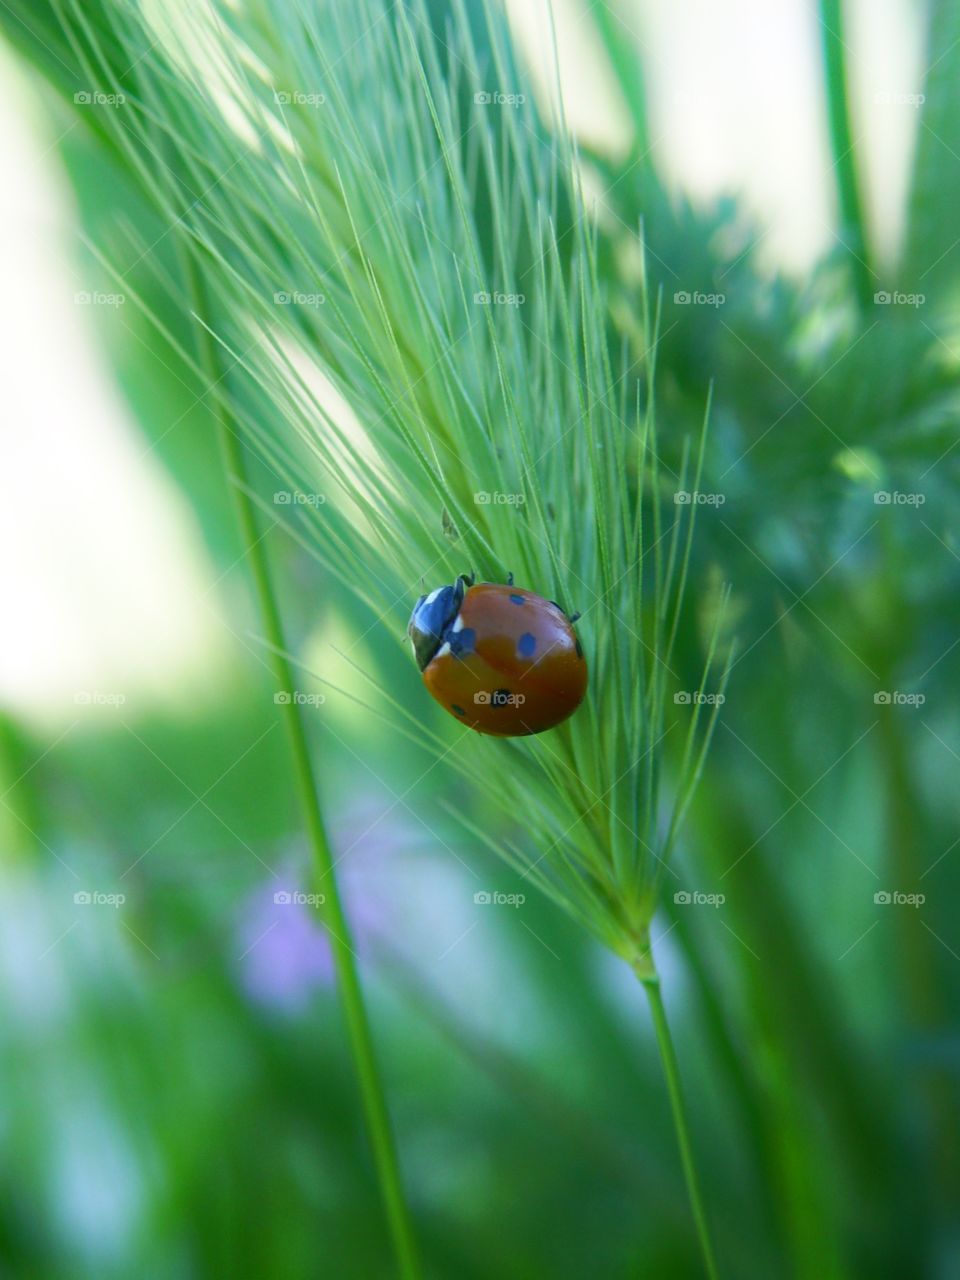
(332,912)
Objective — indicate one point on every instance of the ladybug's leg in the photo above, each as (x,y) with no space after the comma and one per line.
(509,579)
(570,617)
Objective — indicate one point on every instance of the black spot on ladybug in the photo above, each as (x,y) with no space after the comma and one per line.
(579,649)
(517,600)
(500,698)
(462,642)
(526,645)
(457,711)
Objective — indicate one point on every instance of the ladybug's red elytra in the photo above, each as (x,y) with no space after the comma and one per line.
(501,660)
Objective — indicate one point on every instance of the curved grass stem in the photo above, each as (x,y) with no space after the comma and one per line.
(650,981)
(854,237)
(332,913)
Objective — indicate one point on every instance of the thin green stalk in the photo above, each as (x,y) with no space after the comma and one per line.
(528,1088)
(625,61)
(852,217)
(331,912)
(740,1082)
(908,848)
(20,809)
(650,980)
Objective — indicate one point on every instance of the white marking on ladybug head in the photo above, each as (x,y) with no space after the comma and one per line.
(433,595)
(444,649)
(458,624)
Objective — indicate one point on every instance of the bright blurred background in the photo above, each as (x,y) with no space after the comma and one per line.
(175,1093)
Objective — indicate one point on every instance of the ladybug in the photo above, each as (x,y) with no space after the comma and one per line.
(501,660)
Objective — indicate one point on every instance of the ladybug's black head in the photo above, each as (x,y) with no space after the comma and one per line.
(432,616)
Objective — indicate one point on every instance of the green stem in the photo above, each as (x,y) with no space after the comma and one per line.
(20,810)
(909,847)
(627,67)
(671,1070)
(852,219)
(332,913)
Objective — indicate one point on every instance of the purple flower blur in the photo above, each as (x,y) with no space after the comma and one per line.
(286,956)
(286,953)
